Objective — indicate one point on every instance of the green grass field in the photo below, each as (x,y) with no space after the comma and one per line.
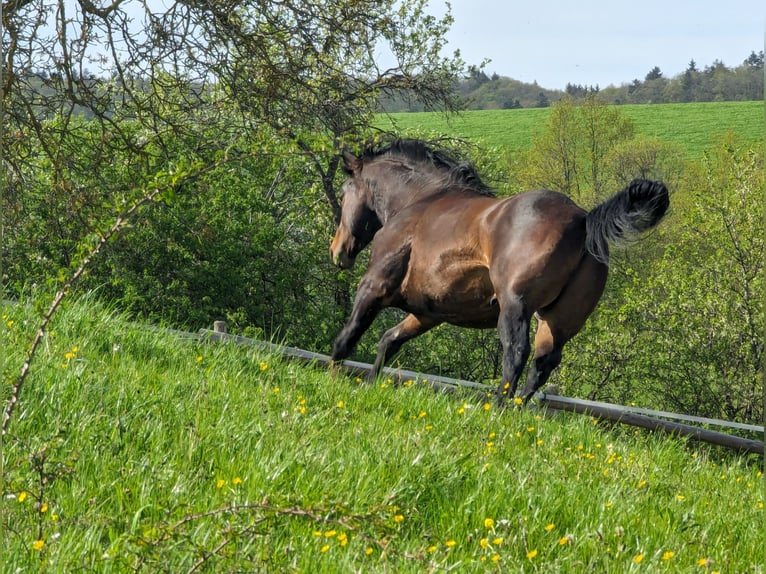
(138,451)
(694,127)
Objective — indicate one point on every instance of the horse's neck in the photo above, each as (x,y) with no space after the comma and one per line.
(391,201)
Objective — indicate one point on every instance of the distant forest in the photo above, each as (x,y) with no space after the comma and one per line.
(716,82)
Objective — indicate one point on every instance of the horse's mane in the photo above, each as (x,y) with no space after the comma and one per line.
(462,174)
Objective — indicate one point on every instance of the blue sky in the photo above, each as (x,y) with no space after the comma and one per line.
(602,42)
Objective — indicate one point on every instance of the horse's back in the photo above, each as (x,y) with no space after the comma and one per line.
(466,252)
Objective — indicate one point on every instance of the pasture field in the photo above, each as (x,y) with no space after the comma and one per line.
(694,126)
(143,451)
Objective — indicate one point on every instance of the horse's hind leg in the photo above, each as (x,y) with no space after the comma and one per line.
(513,328)
(394,338)
(547,356)
(562,320)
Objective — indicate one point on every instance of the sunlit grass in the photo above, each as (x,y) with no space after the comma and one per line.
(694,127)
(137,450)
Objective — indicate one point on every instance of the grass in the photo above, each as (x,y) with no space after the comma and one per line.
(137,450)
(694,127)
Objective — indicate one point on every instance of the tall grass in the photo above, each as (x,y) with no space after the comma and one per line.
(137,450)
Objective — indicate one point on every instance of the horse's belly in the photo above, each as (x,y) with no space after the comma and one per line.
(453,292)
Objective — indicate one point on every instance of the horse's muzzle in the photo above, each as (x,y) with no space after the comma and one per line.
(341,258)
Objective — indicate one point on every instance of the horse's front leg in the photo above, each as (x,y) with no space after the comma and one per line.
(367,304)
(376,290)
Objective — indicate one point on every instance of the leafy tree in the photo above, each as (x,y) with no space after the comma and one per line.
(570,156)
(197,87)
(653,74)
(682,317)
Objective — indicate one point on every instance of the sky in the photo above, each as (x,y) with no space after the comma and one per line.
(602,42)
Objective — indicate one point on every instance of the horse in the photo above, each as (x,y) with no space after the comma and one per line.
(445,249)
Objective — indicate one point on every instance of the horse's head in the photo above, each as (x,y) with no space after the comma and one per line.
(358,220)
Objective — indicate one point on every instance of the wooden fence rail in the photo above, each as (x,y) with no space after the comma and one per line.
(644,418)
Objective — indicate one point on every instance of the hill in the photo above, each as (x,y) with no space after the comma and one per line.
(137,449)
(694,126)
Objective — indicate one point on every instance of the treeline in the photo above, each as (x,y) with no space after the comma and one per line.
(713,83)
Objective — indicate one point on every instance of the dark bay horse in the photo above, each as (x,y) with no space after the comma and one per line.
(445,250)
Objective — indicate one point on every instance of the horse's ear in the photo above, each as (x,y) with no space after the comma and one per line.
(351,164)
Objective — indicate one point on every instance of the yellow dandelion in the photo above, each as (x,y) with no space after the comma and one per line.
(450,543)
(38,544)
(276,390)
(421,414)
(341,404)
(325,548)
(495,557)
(668,555)
(705,562)
(330,533)
(641,485)
(44,508)
(564,540)
(343,539)
(638,558)
(497,541)
(530,429)
(489,523)
(484,543)
(317,533)
(368,551)
(69,356)
(263,365)
(531,554)
(9,323)
(398,518)
(236,480)
(760,505)
(608,504)
(461,410)
(487,406)
(220,483)
(517,401)
(432,549)
(549,527)
(199,357)
(680,497)
(22,496)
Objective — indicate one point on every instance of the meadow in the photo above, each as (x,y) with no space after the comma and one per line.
(136,449)
(693,127)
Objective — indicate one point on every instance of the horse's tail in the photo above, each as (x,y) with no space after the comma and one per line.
(638,207)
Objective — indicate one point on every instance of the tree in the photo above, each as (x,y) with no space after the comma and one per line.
(653,74)
(682,317)
(570,155)
(134,91)
(603,128)
(754,60)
